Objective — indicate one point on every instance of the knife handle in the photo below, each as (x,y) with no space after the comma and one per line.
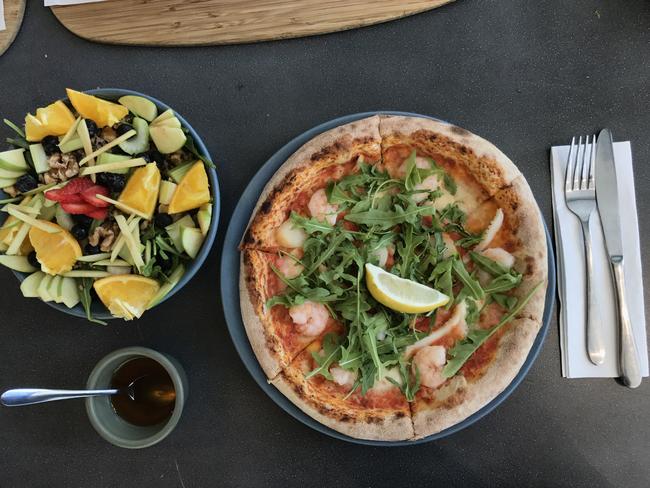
(628,356)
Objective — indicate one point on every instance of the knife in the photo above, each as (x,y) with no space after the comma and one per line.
(608,208)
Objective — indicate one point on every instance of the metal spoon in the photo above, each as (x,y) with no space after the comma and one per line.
(141,387)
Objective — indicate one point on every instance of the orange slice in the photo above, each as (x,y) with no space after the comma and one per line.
(141,191)
(102,112)
(8,233)
(192,191)
(126,296)
(53,120)
(57,252)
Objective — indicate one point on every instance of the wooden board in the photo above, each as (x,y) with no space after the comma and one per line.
(14,11)
(201,22)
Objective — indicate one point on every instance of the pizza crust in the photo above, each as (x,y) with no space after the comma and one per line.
(251,301)
(521,210)
(375,424)
(489,166)
(333,147)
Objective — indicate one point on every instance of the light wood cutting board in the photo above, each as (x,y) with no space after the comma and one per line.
(196,22)
(14,11)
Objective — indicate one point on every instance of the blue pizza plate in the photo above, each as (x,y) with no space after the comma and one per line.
(230,294)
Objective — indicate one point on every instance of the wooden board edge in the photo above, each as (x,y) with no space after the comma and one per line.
(8,36)
(316,32)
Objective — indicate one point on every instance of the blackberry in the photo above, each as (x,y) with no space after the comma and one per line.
(113,181)
(33,261)
(122,129)
(159,159)
(82,220)
(50,145)
(80,232)
(88,249)
(25,183)
(92,128)
(162,220)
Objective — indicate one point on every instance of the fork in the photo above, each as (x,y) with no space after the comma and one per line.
(580,196)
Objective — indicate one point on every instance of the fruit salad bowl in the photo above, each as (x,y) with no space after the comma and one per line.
(180,225)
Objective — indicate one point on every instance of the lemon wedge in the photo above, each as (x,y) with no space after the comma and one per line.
(402,295)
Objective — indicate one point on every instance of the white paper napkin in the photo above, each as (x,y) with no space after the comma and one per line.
(2,16)
(53,3)
(571,273)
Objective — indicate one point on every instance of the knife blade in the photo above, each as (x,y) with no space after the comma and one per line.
(607,194)
(608,208)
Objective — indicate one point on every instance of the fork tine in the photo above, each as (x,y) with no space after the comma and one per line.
(592,162)
(569,166)
(578,169)
(584,168)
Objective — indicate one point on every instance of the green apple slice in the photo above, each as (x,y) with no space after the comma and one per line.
(71,145)
(204,216)
(54,288)
(167,114)
(14,158)
(174,231)
(140,106)
(170,122)
(43,288)
(191,239)
(39,158)
(177,173)
(9,174)
(17,263)
(168,286)
(110,158)
(140,142)
(167,139)
(69,292)
(5,182)
(29,286)
(167,189)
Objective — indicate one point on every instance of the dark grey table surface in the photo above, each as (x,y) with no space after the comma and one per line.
(525,75)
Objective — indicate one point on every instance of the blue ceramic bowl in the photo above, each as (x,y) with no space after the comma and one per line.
(98,309)
(230,295)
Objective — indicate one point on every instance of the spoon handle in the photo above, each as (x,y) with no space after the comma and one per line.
(29,396)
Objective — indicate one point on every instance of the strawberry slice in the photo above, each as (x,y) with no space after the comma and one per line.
(78,208)
(88,195)
(98,213)
(59,196)
(77,185)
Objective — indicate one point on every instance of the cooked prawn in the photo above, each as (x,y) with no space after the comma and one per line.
(321,209)
(428,362)
(289,267)
(383,254)
(426,186)
(310,317)
(500,256)
(342,376)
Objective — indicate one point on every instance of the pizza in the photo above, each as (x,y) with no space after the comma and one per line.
(436,208)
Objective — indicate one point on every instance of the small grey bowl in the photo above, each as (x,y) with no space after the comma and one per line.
(111,426)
